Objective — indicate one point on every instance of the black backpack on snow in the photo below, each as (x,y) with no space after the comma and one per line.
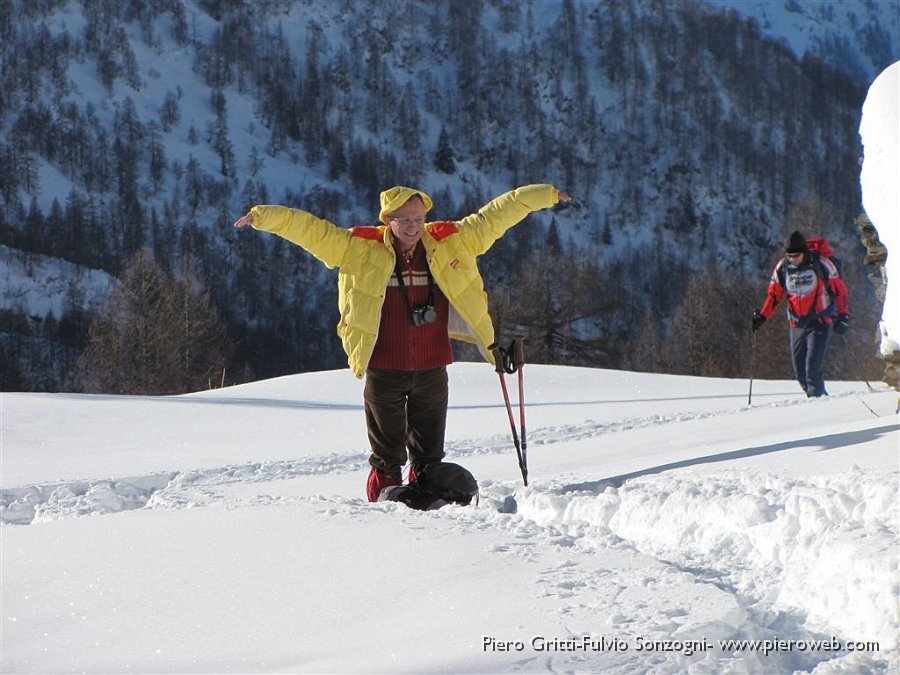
(436,485)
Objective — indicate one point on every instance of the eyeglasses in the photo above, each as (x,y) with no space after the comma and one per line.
(404,222)
(793,255)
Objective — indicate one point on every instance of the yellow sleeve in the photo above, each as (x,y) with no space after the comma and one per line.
(480,230)
(325,240)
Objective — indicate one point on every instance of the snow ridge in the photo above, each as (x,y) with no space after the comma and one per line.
(804,550)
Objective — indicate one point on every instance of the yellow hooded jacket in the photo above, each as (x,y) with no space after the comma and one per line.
(366,260)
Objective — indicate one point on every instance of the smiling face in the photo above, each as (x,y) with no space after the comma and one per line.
(407,223)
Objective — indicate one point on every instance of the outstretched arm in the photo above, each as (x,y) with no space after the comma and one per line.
(325,240)
(480,230)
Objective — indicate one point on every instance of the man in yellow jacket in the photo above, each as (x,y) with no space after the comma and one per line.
(406,287)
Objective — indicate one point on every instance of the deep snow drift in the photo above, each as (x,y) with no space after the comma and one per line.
(879,178)
(669,527)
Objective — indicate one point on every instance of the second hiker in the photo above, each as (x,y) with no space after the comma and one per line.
(817,304)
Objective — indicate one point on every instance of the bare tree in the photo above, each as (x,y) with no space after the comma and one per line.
(558,301)
(650,352)
(155,335)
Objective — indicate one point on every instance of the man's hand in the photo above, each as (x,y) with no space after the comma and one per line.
(842,324)
(244,221)
(565,201)
(758,320)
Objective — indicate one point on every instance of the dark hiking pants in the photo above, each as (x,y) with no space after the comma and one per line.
(808,345)
(406,412)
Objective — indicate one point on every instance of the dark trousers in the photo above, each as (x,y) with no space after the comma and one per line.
(808,345)
(406,412)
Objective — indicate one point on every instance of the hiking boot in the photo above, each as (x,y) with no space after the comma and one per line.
(412,474)
(378,480)
(417,468)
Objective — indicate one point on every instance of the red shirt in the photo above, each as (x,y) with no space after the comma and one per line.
(401,345)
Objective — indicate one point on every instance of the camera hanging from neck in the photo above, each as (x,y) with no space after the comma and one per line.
(425,314)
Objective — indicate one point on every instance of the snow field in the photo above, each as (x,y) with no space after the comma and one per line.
(663,516)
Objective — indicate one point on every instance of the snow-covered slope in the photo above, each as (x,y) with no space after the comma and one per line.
(679,127)
(227,531)
(42,286)
(856,37)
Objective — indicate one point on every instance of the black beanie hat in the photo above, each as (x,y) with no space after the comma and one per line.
(795,243)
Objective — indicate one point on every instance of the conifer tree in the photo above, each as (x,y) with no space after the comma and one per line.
(444,160)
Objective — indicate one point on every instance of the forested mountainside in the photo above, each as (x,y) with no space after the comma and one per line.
(693,137)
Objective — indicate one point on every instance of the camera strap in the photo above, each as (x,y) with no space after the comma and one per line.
(403,289)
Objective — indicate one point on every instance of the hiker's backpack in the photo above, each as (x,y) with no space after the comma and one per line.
(436,485)
(823,249)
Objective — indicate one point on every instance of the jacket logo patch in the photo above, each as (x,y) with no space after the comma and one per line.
(454,263)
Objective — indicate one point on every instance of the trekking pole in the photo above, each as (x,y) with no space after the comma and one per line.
(856,359)
(519,359)
(503,364)
(752,363)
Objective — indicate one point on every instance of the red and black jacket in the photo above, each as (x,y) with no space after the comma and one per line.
(814,289)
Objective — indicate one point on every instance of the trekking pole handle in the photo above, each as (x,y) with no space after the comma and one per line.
(497,351)
(519,350)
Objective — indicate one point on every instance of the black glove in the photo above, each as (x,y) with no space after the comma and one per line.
(842,324)
(758,320)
